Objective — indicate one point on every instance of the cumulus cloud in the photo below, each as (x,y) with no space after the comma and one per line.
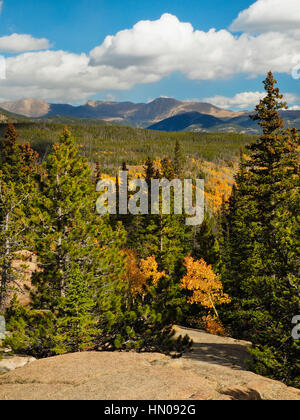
(166,45)
(245,100)
(16,43)
(269,16)
(145,53)
(63,77)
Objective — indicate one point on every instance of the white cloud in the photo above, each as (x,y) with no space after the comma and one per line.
(166,45)
(245,100)
(294,108)
(63,77)
(16,43)
(144,54)
(269,16)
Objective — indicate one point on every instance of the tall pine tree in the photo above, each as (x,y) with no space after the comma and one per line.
(262,244)
(178,160)
(68,232)
(17,189)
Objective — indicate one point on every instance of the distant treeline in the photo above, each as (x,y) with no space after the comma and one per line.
(111,145)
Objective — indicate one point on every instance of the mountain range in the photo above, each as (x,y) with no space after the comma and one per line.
(141,114)
(164,114)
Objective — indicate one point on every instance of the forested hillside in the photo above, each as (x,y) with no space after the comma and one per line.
(111,145)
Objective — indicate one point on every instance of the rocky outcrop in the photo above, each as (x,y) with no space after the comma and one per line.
(9,363)
(215,370)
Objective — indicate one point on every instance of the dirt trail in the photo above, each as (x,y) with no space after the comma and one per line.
(222,351)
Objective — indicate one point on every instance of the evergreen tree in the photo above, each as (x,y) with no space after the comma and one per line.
(178,160)
(175,237)
(17,191)
(97,173)
(31,331)
(68,232)
(262,245)
(18,162)
(168,171)
(72,327)
(68,200)
(13,227)
(150,171)
(165,236)
(10,154)
(76,324)
(206,245)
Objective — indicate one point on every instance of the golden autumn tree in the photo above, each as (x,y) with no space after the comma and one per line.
(140,275)
(207,290)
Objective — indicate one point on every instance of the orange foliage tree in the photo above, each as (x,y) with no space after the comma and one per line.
(140,275)
(207,290)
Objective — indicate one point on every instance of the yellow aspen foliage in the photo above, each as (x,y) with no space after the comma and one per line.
(140,275)
(149,268)
(134,276)
(158,165)
(213,325)
(204,283)
(105,177)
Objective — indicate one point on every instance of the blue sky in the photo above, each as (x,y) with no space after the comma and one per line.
(53,59)
(79,25)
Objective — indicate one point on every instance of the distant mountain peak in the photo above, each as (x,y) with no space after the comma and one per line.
(163,99)
(29,107)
